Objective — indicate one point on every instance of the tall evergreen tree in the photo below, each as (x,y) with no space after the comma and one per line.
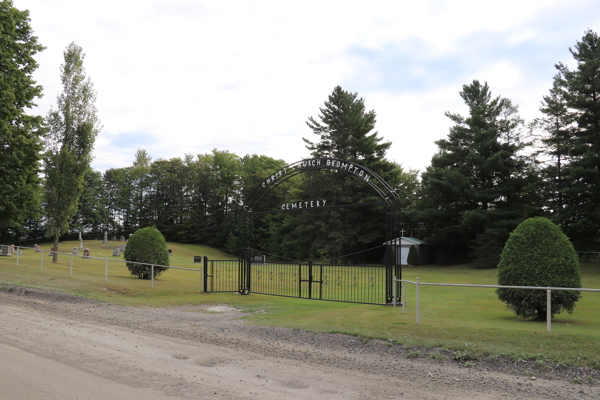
(346,130)
(20,133)
(73,126)
(557,124)
(471,196)
(581,217)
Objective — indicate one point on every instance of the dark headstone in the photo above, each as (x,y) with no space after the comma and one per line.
(86,253)
(197,259)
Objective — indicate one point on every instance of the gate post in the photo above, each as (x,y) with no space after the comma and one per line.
(310,279)
(205,274)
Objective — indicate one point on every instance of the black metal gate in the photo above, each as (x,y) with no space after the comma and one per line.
(346,283)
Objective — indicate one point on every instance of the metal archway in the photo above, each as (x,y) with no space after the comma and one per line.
(388,195)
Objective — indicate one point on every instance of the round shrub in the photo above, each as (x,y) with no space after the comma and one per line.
(537,253)
(146,245)
(413,256)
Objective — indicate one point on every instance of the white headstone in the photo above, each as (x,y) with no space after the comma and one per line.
(122,247)
(74,252)
(117,252)
(105,238)
(81,245)
(80,239)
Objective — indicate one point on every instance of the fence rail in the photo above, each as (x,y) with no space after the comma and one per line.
(364,284)
(548,290)
(214,275)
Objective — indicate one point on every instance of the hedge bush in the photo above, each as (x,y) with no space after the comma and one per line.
(146,245)
(537,253)
(413,256)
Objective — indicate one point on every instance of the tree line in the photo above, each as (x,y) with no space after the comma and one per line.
(491,171)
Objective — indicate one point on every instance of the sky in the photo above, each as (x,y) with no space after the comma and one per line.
(177,77)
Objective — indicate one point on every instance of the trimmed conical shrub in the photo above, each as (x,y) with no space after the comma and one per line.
(537,253)
(146,245)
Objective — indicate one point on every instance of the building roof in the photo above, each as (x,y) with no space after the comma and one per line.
(406,240)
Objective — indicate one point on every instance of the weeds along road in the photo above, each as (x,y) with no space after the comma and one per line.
(58,346)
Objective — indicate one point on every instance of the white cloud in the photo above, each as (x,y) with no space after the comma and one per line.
(186,76)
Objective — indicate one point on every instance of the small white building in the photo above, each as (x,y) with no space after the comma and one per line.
(405,243)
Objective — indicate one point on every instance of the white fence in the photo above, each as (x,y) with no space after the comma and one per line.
(548,290)
(18,252)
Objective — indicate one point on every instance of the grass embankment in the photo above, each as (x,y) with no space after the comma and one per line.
(465,319)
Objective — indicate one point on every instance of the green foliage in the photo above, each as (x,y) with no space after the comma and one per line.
(538,254)
(69,144)
(146,245)
(345,130)
(20,133)
(475,181)
(575,137)
(413,256)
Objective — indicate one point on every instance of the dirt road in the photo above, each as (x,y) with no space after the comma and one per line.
(57,346)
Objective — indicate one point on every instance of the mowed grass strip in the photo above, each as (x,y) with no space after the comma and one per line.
(466,319)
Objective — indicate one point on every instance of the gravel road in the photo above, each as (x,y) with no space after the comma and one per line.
(58,346)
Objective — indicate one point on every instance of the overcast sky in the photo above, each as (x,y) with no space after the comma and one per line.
(183,77)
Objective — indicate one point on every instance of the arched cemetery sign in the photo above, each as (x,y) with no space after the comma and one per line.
(385,191)
(388,196)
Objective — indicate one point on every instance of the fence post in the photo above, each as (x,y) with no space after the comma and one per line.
(18,256)
(549,310)
(394,288)
(106,269)
(41,260)
(205,274)
(418,302)
(402,297)
(152,275)
(71,265)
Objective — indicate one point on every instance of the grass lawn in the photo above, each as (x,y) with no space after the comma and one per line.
(466,319)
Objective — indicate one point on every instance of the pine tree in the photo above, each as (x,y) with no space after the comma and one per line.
(472,190)
(581,216)
(346,130)
(557,124)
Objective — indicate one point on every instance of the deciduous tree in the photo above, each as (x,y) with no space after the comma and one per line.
(20,133)
(73,127)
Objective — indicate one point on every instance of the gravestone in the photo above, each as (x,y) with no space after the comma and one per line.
(117,252)
(105,237)
(122,238)
(81,245)
(74,251)
(197,259)
(37,248)
(114,238)
(86,253)
(259,259)
(170,253)
(5,251)
(80,239)
(122,247)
